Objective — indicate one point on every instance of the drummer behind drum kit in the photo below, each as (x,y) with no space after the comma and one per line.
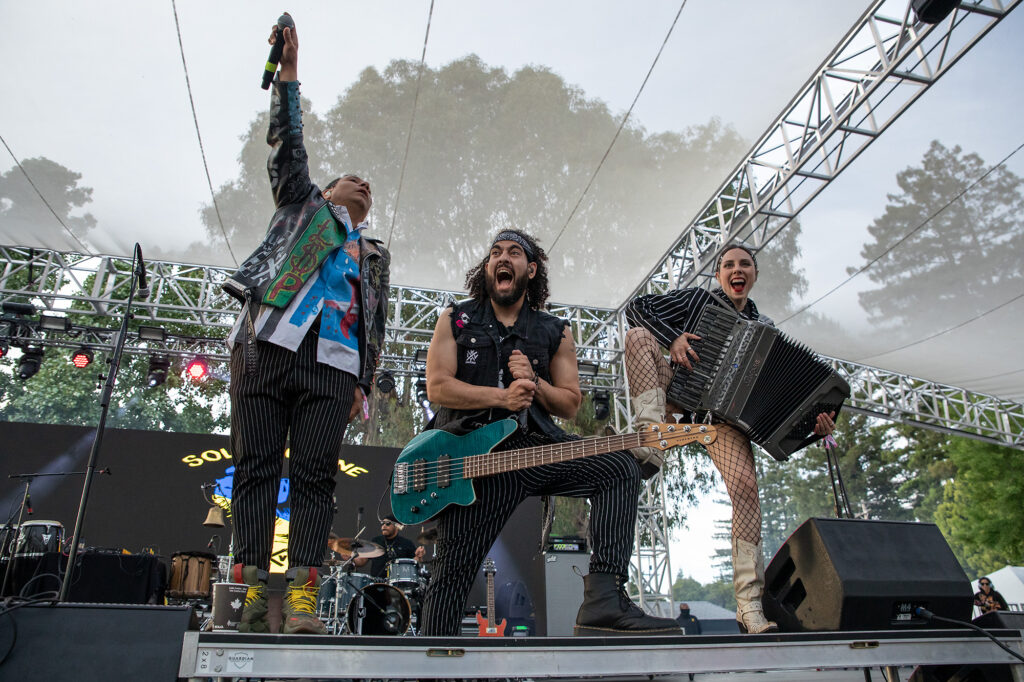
(357,604)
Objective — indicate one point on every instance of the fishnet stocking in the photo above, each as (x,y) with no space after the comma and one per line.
(734,459)
(647,368)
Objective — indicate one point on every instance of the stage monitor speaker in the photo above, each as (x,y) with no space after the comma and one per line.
(849,574)
(94,642)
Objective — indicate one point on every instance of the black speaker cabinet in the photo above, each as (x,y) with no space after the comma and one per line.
(94,642)
(848,574)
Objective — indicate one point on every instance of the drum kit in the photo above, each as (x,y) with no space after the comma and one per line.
(358,604)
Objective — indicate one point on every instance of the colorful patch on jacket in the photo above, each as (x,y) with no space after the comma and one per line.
(318,241)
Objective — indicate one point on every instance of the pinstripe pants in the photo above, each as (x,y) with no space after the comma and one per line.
(465,534)
(288,391)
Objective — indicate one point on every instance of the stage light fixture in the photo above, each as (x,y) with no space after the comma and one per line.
(421,356)
(3,349)
(587,369)
(385,381)
(158,366)
(31,359)
(152,333)
(933,11)
(602,405)
(15,308)
(82,358)
(54,323)
(197,369)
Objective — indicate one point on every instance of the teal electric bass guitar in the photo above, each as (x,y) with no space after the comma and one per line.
(436,469)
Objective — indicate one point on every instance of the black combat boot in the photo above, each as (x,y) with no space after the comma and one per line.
(608,610)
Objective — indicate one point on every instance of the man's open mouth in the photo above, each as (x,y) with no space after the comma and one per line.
(504,276)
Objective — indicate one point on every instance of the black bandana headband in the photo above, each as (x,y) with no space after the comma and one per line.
(509,236)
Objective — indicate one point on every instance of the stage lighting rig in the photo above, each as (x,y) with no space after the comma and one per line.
(31,359)
(82,358)
(158,366)
(602,405)
(54,323)
(385,381)
(198,369)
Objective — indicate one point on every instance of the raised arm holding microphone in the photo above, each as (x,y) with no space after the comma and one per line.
(303,353)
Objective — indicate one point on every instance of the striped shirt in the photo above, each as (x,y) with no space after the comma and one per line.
(667,316)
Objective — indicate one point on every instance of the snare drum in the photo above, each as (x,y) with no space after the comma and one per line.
(35,538)
(191,575)
(379,609)
(403,573)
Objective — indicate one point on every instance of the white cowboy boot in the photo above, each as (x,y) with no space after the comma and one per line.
(649,408)
(748,582)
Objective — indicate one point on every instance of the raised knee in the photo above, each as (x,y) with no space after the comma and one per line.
(638,335)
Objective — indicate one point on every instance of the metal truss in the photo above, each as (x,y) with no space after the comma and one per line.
(881,67)
(910,400)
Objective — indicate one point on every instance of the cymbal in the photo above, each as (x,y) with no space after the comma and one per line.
(365,548)
(427,537)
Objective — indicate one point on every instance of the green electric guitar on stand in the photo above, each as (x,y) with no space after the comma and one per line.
(436,469)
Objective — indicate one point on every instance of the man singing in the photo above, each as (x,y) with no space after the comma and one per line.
(303,354)
(496,356)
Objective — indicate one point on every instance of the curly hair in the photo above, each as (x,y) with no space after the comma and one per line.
(537,288)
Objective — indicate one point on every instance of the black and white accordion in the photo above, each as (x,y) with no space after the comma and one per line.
(753,377)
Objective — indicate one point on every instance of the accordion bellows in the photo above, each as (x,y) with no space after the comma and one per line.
(752,376)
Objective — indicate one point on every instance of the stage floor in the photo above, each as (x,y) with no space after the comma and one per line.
(222,654)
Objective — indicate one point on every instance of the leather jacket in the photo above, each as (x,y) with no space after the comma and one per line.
(302,218)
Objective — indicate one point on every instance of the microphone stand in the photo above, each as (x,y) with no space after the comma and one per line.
(108,389)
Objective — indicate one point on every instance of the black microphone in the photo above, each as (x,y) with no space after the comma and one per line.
(359,519)
(143,290)
(283,21)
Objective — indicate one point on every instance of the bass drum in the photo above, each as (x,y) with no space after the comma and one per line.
(379,609)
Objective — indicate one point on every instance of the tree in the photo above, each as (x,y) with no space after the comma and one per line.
(27,221)
(982,233)
(498,150)
(719,592)
(981,514)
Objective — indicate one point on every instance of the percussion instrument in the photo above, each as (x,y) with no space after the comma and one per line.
(403,573)
(364,548)
(750,375)
(336,592)
(8,535)
(379,609)
(191,575)
(427,537)
(35,538)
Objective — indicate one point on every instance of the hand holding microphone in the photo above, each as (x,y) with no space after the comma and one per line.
(284,50)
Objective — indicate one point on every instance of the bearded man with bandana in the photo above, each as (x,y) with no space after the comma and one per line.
(499,355)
